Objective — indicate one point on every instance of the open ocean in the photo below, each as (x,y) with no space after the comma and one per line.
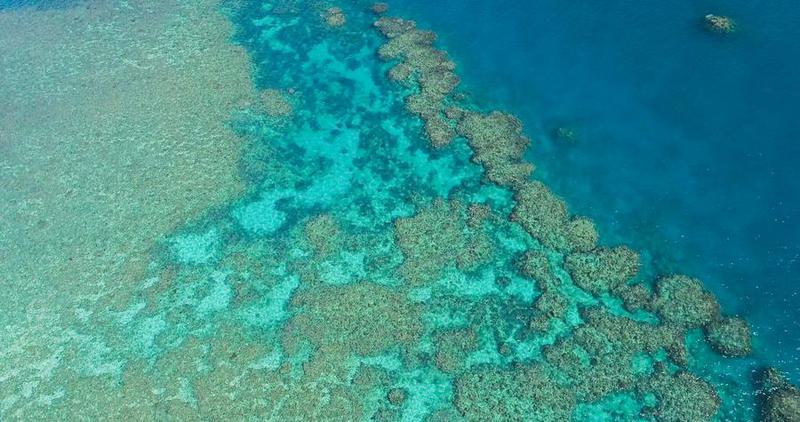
(453,210)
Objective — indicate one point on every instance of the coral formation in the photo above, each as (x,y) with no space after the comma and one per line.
(542,214)
(334,17)
(730,336)
(719,24)
(379,8)
(396,396)
(452,348)
(518,393)
(362,318)
(599,358)
(604,269)
(582,234)
(683,301)
(437,236)
(275,103)
(682,397)
(432,69)
(781,399)
(323,234)
(497,144)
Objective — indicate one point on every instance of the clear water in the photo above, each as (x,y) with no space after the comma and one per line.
(686,142)
(281,241)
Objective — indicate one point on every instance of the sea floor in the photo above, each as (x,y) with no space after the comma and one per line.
(290,210)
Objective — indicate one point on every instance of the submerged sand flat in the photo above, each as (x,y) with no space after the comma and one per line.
(113,132)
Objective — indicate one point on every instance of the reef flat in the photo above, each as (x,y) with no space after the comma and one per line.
(388,255)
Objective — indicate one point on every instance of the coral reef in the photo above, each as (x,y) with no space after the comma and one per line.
(682,397)
(730,336)
(379,8)
(437,236)
(582,234)
(497,144)
(275,103)
(719,24)
(452,348)
(339,321)
(636,297)
(518,393)
(323,234)
(599,358)
(334,17)
(432,69)
(542,214)
(604,269)
(683,301)
(781,399)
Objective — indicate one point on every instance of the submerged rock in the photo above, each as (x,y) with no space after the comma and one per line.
(565,134)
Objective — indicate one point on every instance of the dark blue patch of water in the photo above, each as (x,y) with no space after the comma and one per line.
(686,142)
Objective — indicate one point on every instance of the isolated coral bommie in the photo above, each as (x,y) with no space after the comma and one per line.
(719,24)
(334,17)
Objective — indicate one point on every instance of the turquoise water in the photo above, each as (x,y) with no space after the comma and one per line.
(384,252)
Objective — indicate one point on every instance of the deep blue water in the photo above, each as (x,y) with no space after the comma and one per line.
(687,142)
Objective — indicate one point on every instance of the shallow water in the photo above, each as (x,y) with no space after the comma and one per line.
(289,241)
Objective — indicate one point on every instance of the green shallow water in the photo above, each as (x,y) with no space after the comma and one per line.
(380,254)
